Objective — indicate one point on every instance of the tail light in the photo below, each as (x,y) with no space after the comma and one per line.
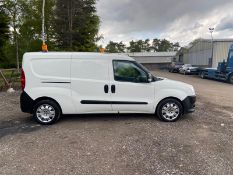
(23,80)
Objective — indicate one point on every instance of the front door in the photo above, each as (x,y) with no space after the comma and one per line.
(130,89)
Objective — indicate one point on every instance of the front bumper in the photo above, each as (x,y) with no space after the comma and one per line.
(26,103)
(189,104)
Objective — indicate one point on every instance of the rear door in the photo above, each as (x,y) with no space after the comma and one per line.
(90,85)
(130,89)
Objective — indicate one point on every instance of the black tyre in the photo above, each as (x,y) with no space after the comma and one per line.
(202,75)
(169,110)
(47,112)
(231,79)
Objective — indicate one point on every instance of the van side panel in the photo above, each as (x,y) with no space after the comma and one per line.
(48,76)
(52,69)
(88,78)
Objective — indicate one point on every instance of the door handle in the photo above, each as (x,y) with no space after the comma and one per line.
(113,89)
(106,88)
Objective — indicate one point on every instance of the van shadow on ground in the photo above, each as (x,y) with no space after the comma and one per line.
(28,124)
(25,125)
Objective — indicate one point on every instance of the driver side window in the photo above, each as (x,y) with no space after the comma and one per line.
(128,71)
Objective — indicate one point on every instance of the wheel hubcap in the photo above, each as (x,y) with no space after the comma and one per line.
(45,113)
(170,111)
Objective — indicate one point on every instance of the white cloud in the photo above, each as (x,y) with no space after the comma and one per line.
(176,20)
(185,29)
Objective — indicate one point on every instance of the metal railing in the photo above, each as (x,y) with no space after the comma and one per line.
(9,78)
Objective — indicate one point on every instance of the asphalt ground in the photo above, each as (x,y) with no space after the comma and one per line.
(199,143)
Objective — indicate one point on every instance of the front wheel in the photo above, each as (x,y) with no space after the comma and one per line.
(169,110)
(47,112)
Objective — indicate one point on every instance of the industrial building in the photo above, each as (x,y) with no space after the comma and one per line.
(153,60)
(200,52)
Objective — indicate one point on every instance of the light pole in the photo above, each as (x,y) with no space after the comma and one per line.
(44,46)
(212,46)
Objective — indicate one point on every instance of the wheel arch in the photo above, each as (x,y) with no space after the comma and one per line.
(46,98)
(175,98)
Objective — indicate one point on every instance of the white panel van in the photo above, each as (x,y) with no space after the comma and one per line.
(83,83)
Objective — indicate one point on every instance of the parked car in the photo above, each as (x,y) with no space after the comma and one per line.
(82,83)
(189,69)
(175,67)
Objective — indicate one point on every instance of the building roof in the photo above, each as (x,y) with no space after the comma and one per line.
(151,54)
(219,40)
(152,57)
(209,41)
(201,40)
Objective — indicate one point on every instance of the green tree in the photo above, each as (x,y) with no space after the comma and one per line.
(143,46)
(31,27)
(165,46)
(146,47)
(176,46)
(115,47)
(139,46)
(121,47)
(135,46)
(155,44)
(112,47)
(76,24)
(4,28)
(25,20)
(14,11)
(4,35)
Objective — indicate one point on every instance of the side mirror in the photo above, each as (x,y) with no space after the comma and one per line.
(141,79)
(150,78)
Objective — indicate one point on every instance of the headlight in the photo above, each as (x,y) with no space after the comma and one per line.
(193,90)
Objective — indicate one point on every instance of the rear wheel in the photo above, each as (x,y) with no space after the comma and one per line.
(169,110)
(47,112)
(231,79)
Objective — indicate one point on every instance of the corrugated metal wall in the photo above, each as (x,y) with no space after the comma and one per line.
(186,58)
(220,52)
(200,53)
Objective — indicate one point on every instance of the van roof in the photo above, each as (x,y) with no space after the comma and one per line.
(77,55)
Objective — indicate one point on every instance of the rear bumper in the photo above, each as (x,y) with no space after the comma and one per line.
(26,103)
(189,104)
